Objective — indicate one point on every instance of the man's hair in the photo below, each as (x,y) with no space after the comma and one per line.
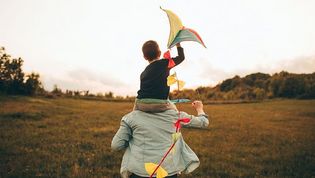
(151,50)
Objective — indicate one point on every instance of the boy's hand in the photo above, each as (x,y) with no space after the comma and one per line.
(198,106)
(178,45)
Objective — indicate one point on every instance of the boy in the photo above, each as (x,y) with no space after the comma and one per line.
(153,93)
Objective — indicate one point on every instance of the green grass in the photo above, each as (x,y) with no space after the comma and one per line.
(71,138)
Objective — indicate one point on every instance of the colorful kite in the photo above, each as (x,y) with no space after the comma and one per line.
(178,32)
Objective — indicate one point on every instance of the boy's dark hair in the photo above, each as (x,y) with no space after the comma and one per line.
(151,50)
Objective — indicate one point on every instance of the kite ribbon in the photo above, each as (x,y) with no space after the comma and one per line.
(177,123)
(167,55)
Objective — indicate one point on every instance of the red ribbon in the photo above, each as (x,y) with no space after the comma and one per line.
(167,55)
(178,125)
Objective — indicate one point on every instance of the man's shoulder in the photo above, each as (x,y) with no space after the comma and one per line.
(132,114)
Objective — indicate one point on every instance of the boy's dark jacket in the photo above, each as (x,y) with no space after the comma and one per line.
(153,80)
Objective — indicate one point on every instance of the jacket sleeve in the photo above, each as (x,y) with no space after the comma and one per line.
(200,121)
(181,56)
(122,137)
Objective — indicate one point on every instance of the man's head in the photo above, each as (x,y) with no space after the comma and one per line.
(151,50)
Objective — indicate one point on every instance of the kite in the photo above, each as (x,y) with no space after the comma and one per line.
(178,32)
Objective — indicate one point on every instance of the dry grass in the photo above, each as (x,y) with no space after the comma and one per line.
(71,138)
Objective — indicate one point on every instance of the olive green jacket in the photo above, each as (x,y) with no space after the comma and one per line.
(146,137)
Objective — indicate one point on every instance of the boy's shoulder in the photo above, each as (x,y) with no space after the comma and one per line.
(159,62)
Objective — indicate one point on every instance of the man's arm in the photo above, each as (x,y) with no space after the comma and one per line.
(181,56)
(200,121)
(122,137)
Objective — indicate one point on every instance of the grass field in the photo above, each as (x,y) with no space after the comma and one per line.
(71,138)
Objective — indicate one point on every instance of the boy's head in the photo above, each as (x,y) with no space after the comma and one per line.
(151,50)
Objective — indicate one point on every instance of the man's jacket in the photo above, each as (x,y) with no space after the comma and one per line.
(146,137)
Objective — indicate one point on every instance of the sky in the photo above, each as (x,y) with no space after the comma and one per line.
(96,45)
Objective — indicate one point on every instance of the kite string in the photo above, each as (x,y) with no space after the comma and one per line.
(157,167)
(198,94)
(169,150)
(176,131)
(177,83)
(177,125)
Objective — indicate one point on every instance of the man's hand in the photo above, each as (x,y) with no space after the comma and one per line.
(198,106)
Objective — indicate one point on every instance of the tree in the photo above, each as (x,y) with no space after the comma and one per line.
(291,87)
(11,74)
(12,77)
(274,85)
(309,86)
(256,79)
(16,76)
(33,85)
(230,84)
(259,93)
(3,58)
(57,91)
(109,95)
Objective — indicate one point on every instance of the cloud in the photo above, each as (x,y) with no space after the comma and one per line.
(305,64)
(84,75)
(83,79)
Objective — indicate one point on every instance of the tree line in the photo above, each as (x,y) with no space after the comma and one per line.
(256,86)
(13,81)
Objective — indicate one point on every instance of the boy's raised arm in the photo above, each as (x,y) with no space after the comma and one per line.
(181,56)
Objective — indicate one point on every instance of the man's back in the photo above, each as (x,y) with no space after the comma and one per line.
(146,138)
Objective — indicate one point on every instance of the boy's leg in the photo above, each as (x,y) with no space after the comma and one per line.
(153,107)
